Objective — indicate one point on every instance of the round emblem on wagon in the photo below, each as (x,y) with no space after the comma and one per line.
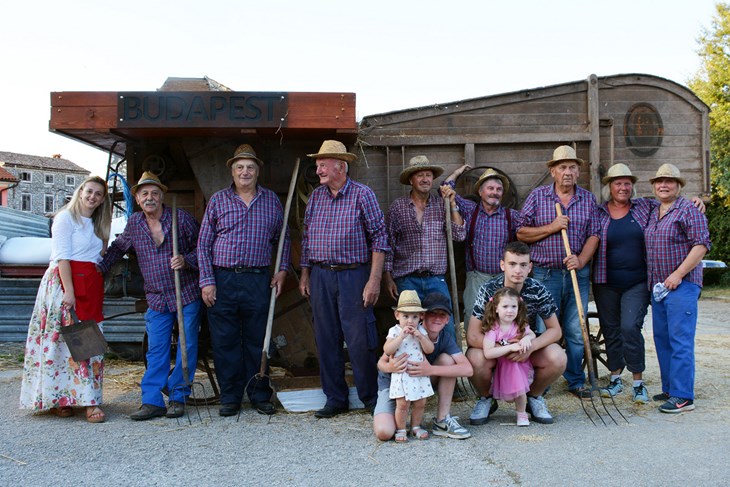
(643,129)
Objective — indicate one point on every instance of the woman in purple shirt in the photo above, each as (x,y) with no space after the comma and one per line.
(677,238)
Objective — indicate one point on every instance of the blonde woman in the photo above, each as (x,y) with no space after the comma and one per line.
(52,380)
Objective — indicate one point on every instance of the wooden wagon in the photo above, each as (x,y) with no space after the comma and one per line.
(187,129)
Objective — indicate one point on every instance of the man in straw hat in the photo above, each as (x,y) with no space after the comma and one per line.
(541,227)
(489,227)
(149,234)
(416,226)
(238,237)
(343,250)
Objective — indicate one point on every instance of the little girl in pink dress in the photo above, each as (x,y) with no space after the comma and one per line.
(507,332)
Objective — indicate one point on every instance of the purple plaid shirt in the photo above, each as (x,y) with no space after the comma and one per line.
(344,229)
(154,261)
(669,241)
(539,210)
(418,246)
(491,235)
(233,234)
(640,210)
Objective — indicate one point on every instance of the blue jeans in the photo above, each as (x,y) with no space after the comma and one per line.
(674,320)
(560,285)
(425,285)
(622,313)
(159,336)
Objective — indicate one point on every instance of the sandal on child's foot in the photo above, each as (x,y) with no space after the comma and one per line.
(522,419)
(419,433)
(401,436)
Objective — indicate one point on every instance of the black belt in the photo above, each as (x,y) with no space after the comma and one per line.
(337,267)
(243,269)
(423,274)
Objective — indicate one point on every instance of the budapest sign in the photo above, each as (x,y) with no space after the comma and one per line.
(201,109)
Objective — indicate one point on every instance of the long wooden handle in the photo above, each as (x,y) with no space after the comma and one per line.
(578,303)
(182,340)
(277,264)
(452,271)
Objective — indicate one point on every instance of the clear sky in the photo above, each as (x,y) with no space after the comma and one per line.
(393,54)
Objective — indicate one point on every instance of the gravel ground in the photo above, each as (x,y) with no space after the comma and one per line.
(297,449)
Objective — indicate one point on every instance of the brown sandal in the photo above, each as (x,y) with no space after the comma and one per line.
(63,412)
(94,414)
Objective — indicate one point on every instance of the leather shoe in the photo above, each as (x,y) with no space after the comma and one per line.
(175,410)
(229,409)
(329,412)
(264,407)
(147,411)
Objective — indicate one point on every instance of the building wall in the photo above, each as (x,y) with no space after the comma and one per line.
(38,190)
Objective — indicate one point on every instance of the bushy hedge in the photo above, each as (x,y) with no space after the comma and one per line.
(718,216)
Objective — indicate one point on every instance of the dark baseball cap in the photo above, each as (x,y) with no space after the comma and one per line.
(437,302)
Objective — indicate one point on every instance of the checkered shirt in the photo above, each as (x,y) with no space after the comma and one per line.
(344,229)
(640,210)
(154,261)
(233,234)
(539,210)
(669,240)
(418,246)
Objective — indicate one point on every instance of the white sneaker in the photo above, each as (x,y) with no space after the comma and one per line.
(450,428)
(522,419)
(482,409)
(538,410)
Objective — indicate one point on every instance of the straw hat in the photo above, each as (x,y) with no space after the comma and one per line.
(564,153)
(334,149)
(409,302)
(491,173)
(148,178)
(668,171)
(618,171)
(416,164)
(244,151)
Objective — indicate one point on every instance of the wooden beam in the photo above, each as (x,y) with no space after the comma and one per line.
(594,124)
(398,140)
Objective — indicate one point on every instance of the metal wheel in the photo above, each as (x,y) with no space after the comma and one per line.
(597,342)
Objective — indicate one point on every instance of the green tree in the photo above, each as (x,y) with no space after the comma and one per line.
(712,85)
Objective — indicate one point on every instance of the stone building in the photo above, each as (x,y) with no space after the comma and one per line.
(44,184)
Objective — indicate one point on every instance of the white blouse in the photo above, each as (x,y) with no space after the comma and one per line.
(74,241)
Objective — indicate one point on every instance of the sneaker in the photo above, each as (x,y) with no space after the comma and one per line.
(522,419)
(661,397)
(538,409)
(615,387)
(450,428)
(641,395)
(482,409)
(677,405)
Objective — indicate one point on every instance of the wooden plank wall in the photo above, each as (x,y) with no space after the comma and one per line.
(681,144)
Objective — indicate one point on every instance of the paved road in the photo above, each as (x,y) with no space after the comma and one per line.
(296,449)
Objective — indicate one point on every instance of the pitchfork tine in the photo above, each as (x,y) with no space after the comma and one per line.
(586,339)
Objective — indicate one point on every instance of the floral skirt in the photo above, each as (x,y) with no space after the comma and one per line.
(51,378)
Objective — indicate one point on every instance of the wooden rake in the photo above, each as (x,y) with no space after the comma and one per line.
(594,390)
(182,339)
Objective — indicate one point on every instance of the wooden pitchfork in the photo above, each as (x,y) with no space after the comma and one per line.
(594,390)
(182,339)
(262,374)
